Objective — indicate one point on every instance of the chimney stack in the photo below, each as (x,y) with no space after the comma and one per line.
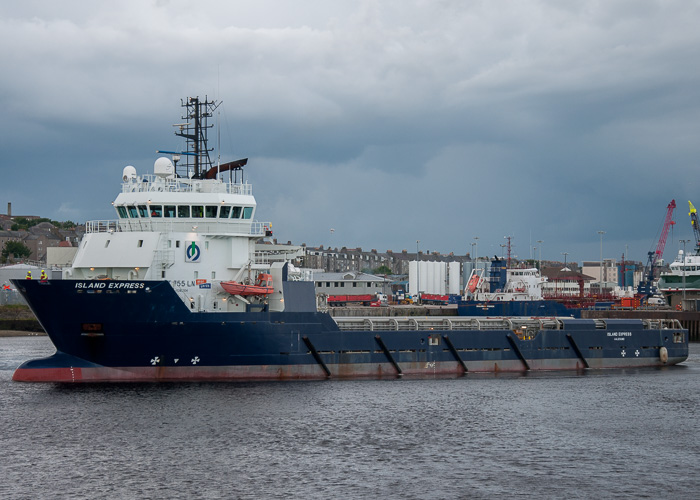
(9,209)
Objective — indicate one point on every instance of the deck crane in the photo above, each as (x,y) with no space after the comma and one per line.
(696,227)
(646,287)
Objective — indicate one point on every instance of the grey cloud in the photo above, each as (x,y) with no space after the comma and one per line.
(388,121)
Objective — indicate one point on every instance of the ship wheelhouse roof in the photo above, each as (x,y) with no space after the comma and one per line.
(689,264)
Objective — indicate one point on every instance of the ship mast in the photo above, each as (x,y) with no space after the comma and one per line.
(195,131)
(509,249)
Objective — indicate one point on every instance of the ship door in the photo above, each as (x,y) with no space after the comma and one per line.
(294,340)
(433,343)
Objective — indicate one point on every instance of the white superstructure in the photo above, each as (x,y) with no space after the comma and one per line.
(521,284)
(193,231)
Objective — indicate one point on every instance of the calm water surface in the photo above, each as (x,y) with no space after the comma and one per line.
(623,434)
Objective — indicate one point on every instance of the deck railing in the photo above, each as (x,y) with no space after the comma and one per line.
(517,325)
(150,183)
(218,226)
(404,323)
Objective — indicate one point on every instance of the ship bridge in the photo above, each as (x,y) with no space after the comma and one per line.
(208,206)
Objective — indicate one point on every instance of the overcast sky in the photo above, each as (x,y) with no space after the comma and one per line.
(386,121)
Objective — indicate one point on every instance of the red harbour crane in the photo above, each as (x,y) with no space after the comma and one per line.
(646,287)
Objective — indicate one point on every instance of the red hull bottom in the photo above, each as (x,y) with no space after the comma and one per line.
(310,372)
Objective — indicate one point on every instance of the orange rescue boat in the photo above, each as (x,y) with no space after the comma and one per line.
(263,286)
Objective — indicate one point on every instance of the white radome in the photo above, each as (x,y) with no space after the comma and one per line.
(164,168)
(129,173)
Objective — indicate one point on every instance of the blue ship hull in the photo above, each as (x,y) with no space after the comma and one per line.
(142,331)
(515,308)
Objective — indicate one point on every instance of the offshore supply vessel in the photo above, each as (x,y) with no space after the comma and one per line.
(178,288)
(509,292)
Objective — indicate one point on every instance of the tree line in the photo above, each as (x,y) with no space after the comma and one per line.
(22,223)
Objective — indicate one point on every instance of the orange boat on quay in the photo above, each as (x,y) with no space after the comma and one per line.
(263,286)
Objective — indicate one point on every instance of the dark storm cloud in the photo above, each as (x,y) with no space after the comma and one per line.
(386,121)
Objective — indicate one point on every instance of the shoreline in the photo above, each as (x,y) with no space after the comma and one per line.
(20,333)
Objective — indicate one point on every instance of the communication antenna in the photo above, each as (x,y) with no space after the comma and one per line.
(195,129)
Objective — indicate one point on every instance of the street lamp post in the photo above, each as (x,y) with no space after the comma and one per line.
(601,233)
(683,264)
(624,268)
(417,271)
(476,250)
(565,269)
(540,264)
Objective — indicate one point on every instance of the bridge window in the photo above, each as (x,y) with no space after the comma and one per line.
(169,211)
(132,212)
(224,212)
(211,211)
(156,210)
(197,211)
(122,212)
(236,213)
(247,212)
(183,211)
(143,211)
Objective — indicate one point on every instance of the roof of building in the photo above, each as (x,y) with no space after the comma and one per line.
(556,274)
(346,276)
(21,266)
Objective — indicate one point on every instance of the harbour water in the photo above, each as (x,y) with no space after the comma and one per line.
(624,434)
